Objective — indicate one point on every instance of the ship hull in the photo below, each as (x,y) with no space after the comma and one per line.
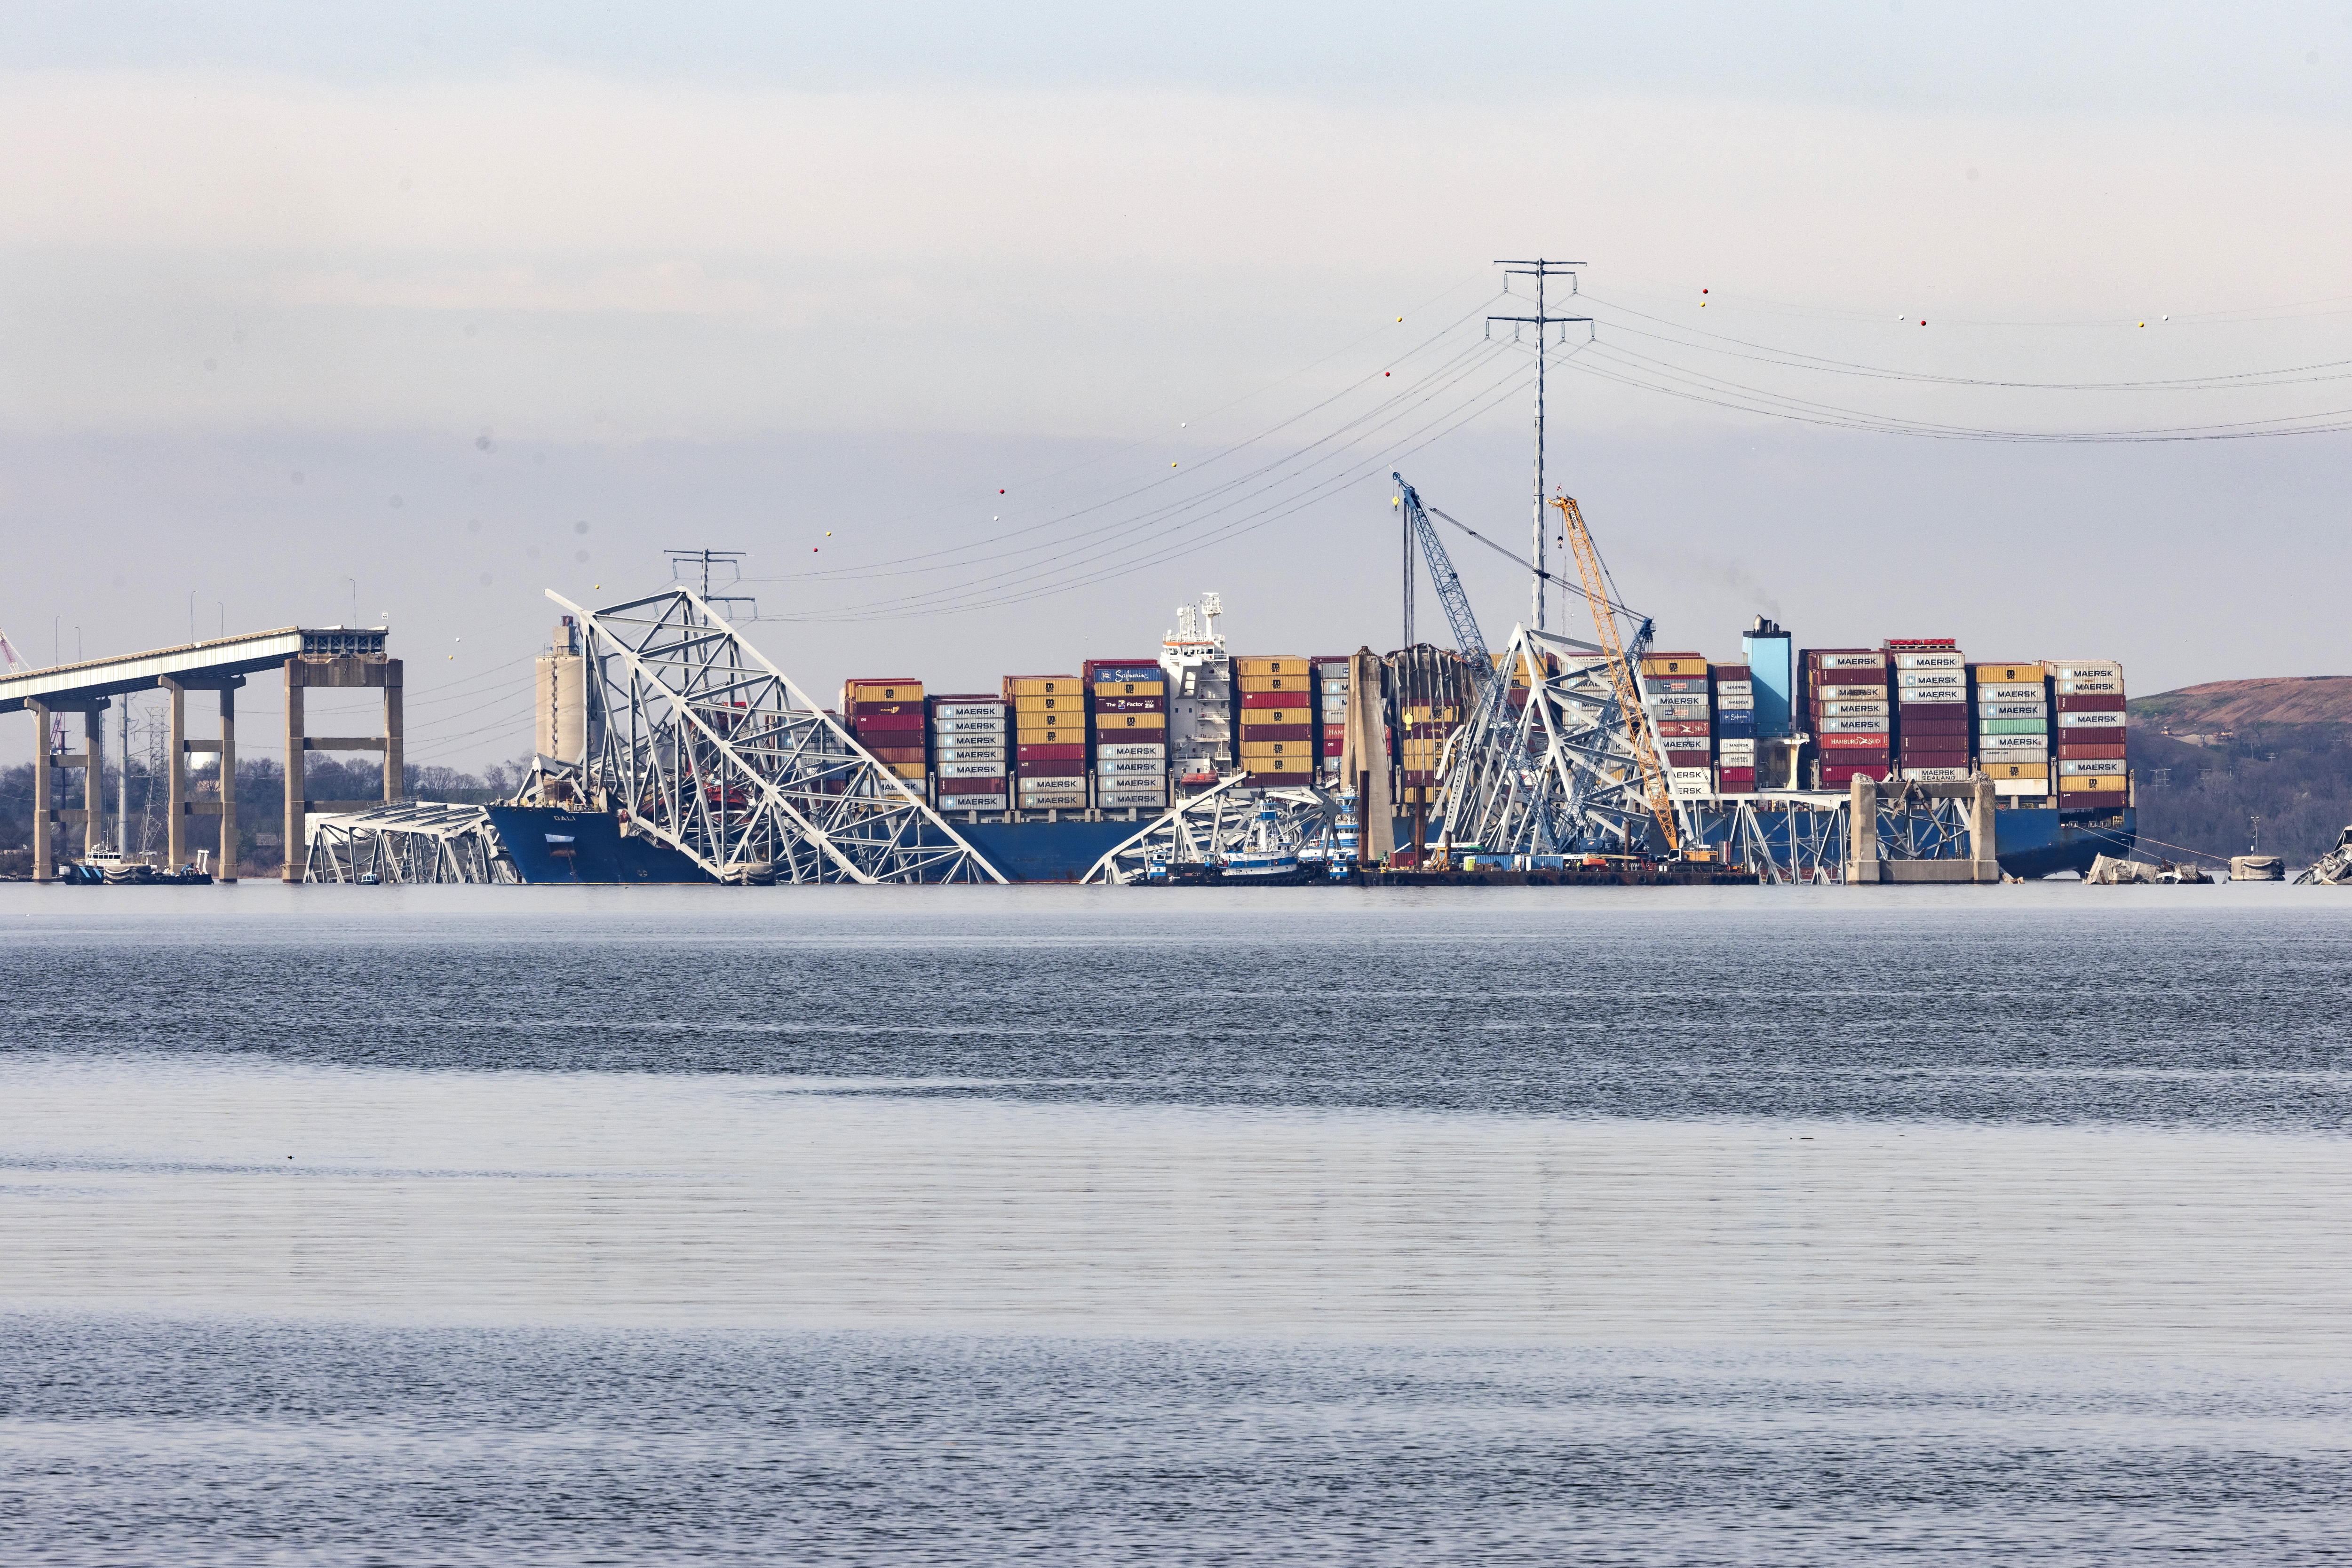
(586,848)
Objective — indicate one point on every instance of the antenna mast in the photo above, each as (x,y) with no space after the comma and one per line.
(1541,270)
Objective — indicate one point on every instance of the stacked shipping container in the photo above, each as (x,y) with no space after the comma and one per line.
(1331,713)
(1049,732)
(1850,712)
(1130,722)
(887,717)
(1931,707)
(971,751)
(2092,770)
(1280,740)
(1735,728)
(2012,729)
(1680,705)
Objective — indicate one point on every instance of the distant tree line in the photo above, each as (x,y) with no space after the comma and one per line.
(2295,777)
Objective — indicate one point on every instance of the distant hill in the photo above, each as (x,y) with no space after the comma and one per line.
(2234,705)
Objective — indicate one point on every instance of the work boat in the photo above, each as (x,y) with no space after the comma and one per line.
(1265,859)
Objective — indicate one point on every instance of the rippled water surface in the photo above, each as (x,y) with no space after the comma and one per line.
(345,1225)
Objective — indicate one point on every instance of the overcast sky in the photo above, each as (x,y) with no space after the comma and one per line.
(993,333)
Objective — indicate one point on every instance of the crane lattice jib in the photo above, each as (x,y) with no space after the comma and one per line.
(1621,669)
(1448,582)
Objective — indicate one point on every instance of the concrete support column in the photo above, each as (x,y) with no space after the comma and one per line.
(1862,831)
(175,830)
(44,867)
(395,767)
(296,788)
(1982,831)
(93,781)
(228,785)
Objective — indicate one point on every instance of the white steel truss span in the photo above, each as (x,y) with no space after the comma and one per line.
(698,742)
(1217,823)
(1556,776)
(420,842)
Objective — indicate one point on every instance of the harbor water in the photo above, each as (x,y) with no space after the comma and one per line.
(1276,1226)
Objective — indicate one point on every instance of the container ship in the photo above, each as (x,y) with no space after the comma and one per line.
(1049,772)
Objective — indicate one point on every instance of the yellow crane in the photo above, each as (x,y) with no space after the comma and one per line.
(1628,698)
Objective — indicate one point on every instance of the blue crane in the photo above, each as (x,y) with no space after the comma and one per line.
(1448,582)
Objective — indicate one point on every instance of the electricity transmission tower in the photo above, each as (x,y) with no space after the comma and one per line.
(1542,271)
(729,561)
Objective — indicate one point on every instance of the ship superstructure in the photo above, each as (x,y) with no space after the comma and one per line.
(1201,747)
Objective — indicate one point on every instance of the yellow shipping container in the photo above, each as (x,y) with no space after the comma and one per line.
(1277,765)
(2110,783)
(2016,769)
(1680,669)
(913,770)
(1302,684)
(885,691)
(1071,701)
(2006,674)
(1043,686)
(1277,748)
(1113,722)
(1429,715)
(1254,716)
(1065,734)
(1284,665)
(1131,688)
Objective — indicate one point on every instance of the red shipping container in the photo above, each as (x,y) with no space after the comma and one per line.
(1867,741)
(903,754)
(1933,711)
(1276,699)
(1279,732)
(878,710)
(1335,732)
(1681,726)
(1933,726)
(1335,748)
(1074,769)
(1728,672)
(2090,753)
(2092,704)
(908,716)
(2069,799)
(1059,753)
(992,785)
(1690,759)
(1130,705)
(1833,773)
(1736,774)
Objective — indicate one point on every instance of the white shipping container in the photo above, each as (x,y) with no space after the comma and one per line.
(970,753)
(974,802)
(1130,748)
(2016,747)
(1734,745)
(2085,669)
(1735,704)
(1874,725)
(973,770)
(2020,786)
(2013,710)
(1931,680)
(1852,710)
(2021,692)
(970,710)
(1735,688)
(2091,721)
(968,727)
(1690,780)
(1149,766)
(1850,694)
(1936,774)
(1134,796)
(1854,661)
(1929,662)
(1335,684)
(2116,766)
(1053,799)
(2091,686)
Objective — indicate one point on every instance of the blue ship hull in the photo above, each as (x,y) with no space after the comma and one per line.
(2029,841)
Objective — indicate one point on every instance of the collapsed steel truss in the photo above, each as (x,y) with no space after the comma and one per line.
(1220,821)
(1556,775)
(420,842)
(698,742)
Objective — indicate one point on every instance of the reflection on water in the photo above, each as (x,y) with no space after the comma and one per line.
(228,1185)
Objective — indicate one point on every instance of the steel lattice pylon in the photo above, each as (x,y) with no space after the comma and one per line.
(418,841)
(701,744)
(1556,776)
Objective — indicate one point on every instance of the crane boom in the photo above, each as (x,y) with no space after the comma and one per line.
(1448,582)
(1620,672)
